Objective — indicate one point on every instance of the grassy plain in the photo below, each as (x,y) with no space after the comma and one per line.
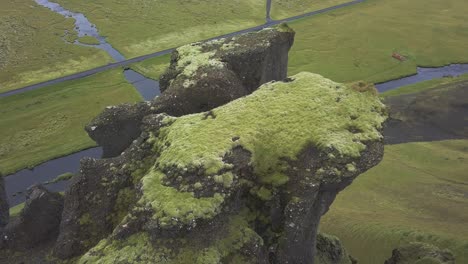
(152,68)
(89,40)
(356,43)
(46,123)
(288,8)
(33,46)
(418,193)
(141,27)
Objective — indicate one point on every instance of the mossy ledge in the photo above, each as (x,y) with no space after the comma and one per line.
(241,183)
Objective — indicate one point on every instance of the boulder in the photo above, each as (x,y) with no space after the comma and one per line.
(37,222)
(201,76)
(246,182)
(420,253)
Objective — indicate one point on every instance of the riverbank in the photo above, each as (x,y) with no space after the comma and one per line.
(48,123)
(357,42)
(36,46)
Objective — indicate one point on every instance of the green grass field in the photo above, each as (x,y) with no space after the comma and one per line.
(43,124)
(33,46)
(89,40)
(288,8)
(418,193)
(356,43)
(152,68)
(141,27)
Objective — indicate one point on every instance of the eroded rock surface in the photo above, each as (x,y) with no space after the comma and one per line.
(201,76)
(246,182)
(420,253)
(330,250)
(37,222)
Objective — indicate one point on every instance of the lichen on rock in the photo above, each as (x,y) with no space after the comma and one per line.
(420,253)
(269,163)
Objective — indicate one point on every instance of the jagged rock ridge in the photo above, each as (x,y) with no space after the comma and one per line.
(201,76)
(245,182)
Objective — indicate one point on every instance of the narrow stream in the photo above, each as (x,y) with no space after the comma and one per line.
(148,88)
(17,183)
(424,74)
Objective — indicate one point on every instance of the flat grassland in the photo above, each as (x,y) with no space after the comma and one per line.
(33,46)
(357,42)
(419,192)
(46,123)
(288,8)
(152,68)
(141,27)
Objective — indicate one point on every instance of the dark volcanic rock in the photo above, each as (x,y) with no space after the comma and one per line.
(37,222)
(330,250)
(420,253)
(201,77)
(246,182)
(4,208)
(436,114)
(117,126)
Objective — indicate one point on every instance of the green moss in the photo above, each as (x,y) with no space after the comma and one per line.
(299,113)
(139,249)
(192,58)
(63,177)
(264,193)
(304,111)
(85,219)
(14,211)
(173,207)
(125,198)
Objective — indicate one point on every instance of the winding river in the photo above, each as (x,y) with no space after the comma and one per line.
(18,182)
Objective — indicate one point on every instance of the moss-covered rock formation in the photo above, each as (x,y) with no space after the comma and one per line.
(330,250)
(420,253)
(246,182)
(201,77)
(37,223)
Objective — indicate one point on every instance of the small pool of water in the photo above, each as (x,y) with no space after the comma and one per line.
(424,74)
(17,183)
(148,88)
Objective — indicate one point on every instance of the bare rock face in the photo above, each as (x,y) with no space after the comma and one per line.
(201,76)
(420,253)
(331,251)
(246,182)
(37,222)
(4,208)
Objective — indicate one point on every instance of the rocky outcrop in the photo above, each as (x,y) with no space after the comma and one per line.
(37,222)
(420,253)
(436,114)
(4,208)
(330,250)
(201,76)
(246,182)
